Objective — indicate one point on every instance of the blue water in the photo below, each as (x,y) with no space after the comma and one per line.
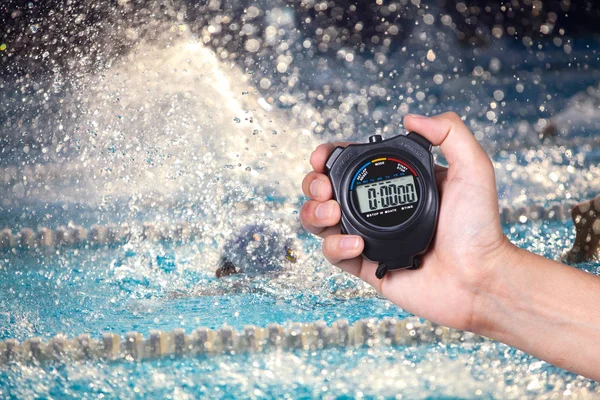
(144,286)
(163,287)
(108,289)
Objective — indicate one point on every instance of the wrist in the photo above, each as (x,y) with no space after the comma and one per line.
(491,295)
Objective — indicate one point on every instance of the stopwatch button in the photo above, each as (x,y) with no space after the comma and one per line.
(375,139)
(334,155)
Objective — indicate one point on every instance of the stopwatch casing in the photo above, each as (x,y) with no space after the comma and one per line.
(393,234)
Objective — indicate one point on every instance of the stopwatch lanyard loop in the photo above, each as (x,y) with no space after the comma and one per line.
(381,270)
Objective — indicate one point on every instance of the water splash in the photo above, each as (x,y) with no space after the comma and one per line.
(170,115)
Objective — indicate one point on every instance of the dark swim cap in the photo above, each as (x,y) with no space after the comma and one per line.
(257,249)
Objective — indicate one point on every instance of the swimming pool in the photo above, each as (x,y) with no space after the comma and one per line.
(166,151)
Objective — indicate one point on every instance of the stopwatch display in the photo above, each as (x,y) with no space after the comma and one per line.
(385,191)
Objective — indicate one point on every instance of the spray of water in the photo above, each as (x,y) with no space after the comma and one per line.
(207,113)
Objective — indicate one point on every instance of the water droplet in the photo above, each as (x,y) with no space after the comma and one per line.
(520,88)
(252,45)
(282,67)
(265,83)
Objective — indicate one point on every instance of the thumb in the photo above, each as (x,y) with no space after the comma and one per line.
(466,157)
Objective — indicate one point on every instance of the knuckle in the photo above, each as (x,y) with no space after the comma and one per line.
(306,183)
(305,213)
(314,158)
(329,247)
(453,119)
(452,116)
(308,178)
(318,151)
(323,147)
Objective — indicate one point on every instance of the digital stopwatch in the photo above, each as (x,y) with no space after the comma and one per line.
(388,195)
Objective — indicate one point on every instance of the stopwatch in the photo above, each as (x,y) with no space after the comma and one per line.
(388,195)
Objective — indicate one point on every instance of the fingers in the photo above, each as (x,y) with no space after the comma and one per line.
(317,186)
(320,215)
(464,154)
(319,157)
(337,248)
(316,216)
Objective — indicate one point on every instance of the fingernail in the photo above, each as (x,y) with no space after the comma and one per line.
(315,187)
(417,116)
(349,243)
(324,211)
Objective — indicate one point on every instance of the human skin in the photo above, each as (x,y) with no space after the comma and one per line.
(472,278)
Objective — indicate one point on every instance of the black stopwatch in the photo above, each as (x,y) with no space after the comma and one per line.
(388,195)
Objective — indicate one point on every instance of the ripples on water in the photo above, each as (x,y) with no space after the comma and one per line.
(208,114)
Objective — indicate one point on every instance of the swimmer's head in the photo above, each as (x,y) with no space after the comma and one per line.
(258,249)
(226,268)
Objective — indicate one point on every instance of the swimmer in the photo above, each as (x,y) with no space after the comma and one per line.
(586,218)
(472,278)
(258,249)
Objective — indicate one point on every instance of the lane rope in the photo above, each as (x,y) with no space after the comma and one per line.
(98,235)
(410,331)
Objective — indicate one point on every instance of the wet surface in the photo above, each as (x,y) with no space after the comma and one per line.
(208,115)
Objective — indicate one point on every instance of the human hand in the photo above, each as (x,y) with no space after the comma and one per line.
(468,246)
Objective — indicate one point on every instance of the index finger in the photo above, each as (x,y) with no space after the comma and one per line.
(319,157)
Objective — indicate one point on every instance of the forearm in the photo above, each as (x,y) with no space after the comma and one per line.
(544,308)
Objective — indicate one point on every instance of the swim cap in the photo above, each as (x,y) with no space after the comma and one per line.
(257,249)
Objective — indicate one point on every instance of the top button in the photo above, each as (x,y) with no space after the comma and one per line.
(375,139)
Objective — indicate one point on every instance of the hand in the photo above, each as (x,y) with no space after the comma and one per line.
(468,244)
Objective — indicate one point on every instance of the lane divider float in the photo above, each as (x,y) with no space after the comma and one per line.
(132,346)
(97,235)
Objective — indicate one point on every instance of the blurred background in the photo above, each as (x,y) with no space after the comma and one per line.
(153,114)
(81,80)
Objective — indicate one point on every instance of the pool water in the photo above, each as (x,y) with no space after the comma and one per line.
(193,124)
(165,286)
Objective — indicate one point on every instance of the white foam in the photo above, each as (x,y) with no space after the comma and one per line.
(170,121)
